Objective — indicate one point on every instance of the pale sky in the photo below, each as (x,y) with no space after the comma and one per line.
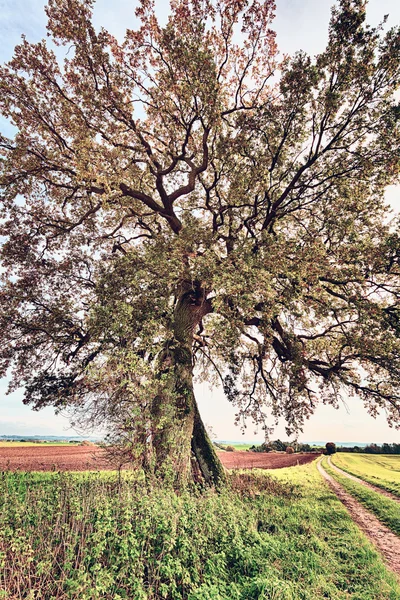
(300,24)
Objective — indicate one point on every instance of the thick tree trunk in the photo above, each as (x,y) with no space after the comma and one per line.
(173,414)
(179,435)
(204,453)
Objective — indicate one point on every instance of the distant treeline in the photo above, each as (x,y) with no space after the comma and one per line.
(279,446)
(372,449)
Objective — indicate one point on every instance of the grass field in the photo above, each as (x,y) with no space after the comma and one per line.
(238,446)
(92,537)
(244,446)
(387,510)
(382,470)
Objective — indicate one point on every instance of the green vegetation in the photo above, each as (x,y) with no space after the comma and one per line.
(387,510)
(280,446)
(385,448)
(202,202)
(380,470)
(242,446)
(234,445)
(94,537)
(330,448)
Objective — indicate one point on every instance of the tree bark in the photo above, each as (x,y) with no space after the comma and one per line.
(203,450)
(173,415)
(179,435)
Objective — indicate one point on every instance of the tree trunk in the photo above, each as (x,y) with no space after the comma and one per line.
(173,415)
(203,450)
(179,435)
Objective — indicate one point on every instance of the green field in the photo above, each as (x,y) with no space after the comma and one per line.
(237,446)
(93,537)
(382,470)
(244,446)
(386,509)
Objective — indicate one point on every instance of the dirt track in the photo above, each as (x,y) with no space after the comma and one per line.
(82,458)
(385,540)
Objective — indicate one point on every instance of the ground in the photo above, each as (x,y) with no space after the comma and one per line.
(108,536)
(387,542)
(81,458)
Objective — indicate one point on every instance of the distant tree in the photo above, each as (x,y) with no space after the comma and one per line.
(330,448)
(304,448)
(278,445)
(372,449)
(261,448)
(185,202)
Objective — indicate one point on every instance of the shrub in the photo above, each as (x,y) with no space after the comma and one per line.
(260,448)
(229,448)
(289,450)
(330,448)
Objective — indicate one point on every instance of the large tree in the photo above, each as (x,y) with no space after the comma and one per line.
(186,202)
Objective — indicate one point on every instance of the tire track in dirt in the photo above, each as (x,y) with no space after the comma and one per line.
(375,488)
(386,542)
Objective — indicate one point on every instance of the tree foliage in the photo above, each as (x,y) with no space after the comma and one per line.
(187,199)
(330,448)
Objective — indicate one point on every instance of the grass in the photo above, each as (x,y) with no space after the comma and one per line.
(387,510)
(238,446)
(92,537)
(382,470)
(243,446)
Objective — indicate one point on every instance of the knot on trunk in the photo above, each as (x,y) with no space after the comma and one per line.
(192,305)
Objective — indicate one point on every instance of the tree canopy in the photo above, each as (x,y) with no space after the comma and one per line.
(186,200)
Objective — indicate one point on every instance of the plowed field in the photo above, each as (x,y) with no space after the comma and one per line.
(82,458)
(52,458)
(259,460)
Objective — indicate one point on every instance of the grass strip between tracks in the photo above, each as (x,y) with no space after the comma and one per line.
(374,469)
(387,510)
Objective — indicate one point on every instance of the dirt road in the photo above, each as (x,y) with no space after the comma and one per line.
(387,543)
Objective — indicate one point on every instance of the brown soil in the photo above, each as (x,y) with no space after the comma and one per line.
(82,458)
(384,540)
(52,458)
(365,483)
(263,460)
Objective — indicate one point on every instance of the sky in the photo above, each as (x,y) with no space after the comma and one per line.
(300,24)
